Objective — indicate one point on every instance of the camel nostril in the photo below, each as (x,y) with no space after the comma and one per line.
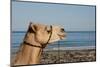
(62,30)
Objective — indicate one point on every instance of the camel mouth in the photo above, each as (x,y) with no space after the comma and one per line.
(62,36)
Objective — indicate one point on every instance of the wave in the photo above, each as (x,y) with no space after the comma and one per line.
(71,48)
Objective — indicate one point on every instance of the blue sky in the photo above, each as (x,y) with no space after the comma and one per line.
(71,17)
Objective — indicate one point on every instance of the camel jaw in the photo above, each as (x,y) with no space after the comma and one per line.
(62,36)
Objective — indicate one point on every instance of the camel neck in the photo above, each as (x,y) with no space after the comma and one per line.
(35,55)
(28,55)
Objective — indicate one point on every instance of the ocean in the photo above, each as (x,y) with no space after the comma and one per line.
(74,39)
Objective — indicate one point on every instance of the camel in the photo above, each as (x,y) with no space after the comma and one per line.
(36,39)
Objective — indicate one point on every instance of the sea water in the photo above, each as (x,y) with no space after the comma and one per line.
(73,39)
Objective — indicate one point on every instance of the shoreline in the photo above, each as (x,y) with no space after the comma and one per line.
(71,48)
(62,48)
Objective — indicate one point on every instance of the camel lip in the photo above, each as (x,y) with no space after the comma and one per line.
(62,35)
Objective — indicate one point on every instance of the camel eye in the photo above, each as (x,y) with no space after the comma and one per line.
(48,31)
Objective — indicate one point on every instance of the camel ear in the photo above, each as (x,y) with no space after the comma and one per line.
(34,27)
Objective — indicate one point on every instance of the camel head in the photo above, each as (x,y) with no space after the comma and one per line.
(44,33)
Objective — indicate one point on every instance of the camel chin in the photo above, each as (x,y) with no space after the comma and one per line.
(54,40)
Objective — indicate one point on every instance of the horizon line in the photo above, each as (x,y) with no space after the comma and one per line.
(66,31)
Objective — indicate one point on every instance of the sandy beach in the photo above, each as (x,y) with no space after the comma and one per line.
(68,56)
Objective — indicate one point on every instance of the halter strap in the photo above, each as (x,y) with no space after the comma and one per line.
(43,45)
(26,43)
